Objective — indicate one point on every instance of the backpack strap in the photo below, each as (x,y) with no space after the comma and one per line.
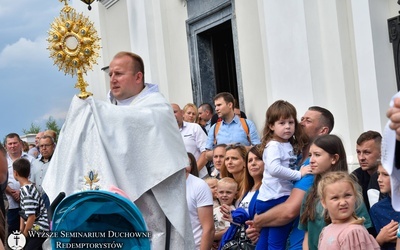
(245,127)
(216,129)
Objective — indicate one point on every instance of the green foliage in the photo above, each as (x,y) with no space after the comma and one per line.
(34,129)
(52,124)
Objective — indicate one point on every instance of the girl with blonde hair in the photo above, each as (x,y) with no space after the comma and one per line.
(340,198)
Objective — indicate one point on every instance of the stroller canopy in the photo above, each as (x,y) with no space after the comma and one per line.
(98,219)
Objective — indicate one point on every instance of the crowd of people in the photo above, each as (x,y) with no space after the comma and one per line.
(284,180)
(288,188)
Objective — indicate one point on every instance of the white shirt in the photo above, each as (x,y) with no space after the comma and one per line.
(279,172)
(246,201)
(219,223)
(38,171)
(198,194)
(12,182)
(195,140)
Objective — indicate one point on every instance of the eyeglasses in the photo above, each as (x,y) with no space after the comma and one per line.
(45,145)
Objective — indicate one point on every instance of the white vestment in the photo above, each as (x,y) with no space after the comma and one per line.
(137,148)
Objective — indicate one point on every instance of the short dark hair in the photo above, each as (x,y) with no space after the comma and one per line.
(207,106)
(222,145)
(11,135)
(23,167)
(370,135)
(326,119)
(228,97)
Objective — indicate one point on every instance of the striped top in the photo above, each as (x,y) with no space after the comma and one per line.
(32,203)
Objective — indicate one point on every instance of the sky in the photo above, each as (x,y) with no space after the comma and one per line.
(31,87)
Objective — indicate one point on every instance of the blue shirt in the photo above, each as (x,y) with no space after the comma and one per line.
(296,236)
(381,214)
(306,182)
(233,132)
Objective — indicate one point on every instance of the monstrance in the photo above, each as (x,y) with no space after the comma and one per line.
(73,45)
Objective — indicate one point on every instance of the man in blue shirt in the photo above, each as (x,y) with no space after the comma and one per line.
(231,129)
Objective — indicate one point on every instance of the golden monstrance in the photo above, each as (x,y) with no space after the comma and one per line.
(73,45)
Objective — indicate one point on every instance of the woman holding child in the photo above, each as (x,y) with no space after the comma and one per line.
(251,182)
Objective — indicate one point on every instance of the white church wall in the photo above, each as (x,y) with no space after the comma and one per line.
(334,54)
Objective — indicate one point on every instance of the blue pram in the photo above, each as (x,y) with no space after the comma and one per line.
(98,219)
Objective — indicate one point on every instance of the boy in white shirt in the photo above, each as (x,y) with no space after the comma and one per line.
(227,190)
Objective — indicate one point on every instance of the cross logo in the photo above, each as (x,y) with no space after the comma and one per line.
(16,240)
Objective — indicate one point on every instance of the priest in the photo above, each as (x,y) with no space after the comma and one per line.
(132,143)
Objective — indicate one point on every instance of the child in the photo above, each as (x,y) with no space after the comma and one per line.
(213,183)
(339,197)
(33,212)
(327,154)
(226,191)
(383,216)
(283,139)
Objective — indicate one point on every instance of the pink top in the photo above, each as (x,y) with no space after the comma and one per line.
(346,236)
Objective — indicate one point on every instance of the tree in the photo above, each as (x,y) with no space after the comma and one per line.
(34,129)
(52,124)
